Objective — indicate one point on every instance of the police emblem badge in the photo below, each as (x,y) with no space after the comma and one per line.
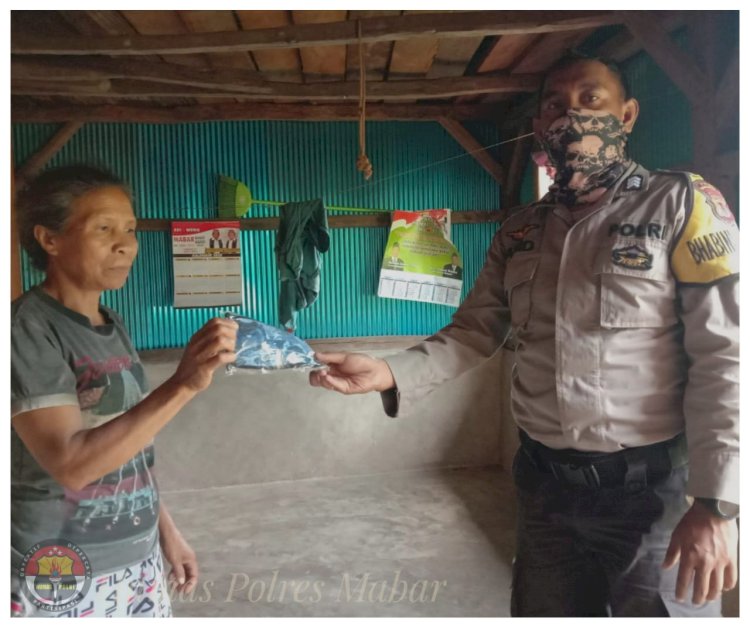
(633,257)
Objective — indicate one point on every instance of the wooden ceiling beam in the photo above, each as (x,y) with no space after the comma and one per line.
(26,111)
(519,159)
(39,159)
(678,65)
(234,82)
(247,82)
(60,88)
(317,92)
(470,144)
(385,28)
(335,221)
(623,45)
(93,67)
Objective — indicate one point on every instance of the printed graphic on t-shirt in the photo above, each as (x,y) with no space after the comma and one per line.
(122,504)
(125,502)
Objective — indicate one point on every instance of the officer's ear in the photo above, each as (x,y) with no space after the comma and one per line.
(630,114)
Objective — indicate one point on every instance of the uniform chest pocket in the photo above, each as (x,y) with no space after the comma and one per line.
(519,275)
(637,288)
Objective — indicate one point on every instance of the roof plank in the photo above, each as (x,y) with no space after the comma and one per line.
(281,64)
(322,62)
(387,28)
(159,24)
(548,49)
(507,52)
(377,54)
(217,22)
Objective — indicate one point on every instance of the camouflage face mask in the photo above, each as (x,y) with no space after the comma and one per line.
(587,150)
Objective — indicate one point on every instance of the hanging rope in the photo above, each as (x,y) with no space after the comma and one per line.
(363,163)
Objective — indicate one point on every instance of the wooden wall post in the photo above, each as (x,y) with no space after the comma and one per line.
(16,285)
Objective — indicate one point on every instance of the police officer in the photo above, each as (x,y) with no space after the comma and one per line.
(621,289)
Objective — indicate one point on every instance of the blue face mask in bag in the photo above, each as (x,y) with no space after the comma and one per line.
(263,348)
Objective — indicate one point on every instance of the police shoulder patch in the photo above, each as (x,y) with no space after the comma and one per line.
(708,247)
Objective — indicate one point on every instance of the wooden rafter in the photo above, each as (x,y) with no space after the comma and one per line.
(388,28)
(248,82)
(21,87)
(377,55)
(29,112)
(283,64)
(322,62)
(678,64)
(464,137)
(37,161)
(519,159)
(89,68)
(16,282)
(341,221)
(623,45)
(340,92)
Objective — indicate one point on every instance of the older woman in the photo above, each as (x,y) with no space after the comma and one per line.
(87,522)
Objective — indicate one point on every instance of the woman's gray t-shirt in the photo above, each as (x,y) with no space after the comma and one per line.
(57,359)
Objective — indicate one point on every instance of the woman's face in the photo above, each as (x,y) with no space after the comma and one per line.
(231,234)
(97,246)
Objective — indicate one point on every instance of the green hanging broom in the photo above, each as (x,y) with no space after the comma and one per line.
(235,198)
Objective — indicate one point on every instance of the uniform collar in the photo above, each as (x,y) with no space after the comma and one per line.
(634,179)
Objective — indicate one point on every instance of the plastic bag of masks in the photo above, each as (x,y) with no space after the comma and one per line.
(263,348)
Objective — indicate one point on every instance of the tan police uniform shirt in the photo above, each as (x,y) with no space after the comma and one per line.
(626,323)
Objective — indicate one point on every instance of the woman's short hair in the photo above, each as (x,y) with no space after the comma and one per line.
(47,200)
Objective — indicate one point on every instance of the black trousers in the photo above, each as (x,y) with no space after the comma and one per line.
(597,552)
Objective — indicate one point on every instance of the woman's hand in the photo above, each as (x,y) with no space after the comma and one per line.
(352,373)
(210,347)
(184,573)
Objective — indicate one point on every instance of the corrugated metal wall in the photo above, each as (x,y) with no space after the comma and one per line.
(173,172)
(663,135)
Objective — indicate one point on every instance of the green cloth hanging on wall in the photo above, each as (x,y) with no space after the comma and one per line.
(302,237)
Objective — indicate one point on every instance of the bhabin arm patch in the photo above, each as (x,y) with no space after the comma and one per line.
(708,247)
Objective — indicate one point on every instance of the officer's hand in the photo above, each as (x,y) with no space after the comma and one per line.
(706,548)
(210,347)
(352,373)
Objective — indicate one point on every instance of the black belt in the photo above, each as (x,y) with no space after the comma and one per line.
(633,468)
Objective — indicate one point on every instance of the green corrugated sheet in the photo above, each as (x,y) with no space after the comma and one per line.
(173,170)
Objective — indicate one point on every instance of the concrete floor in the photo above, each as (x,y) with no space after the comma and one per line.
(410,544)
(425,543)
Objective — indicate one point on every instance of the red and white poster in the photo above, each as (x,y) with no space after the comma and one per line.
(207,260)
